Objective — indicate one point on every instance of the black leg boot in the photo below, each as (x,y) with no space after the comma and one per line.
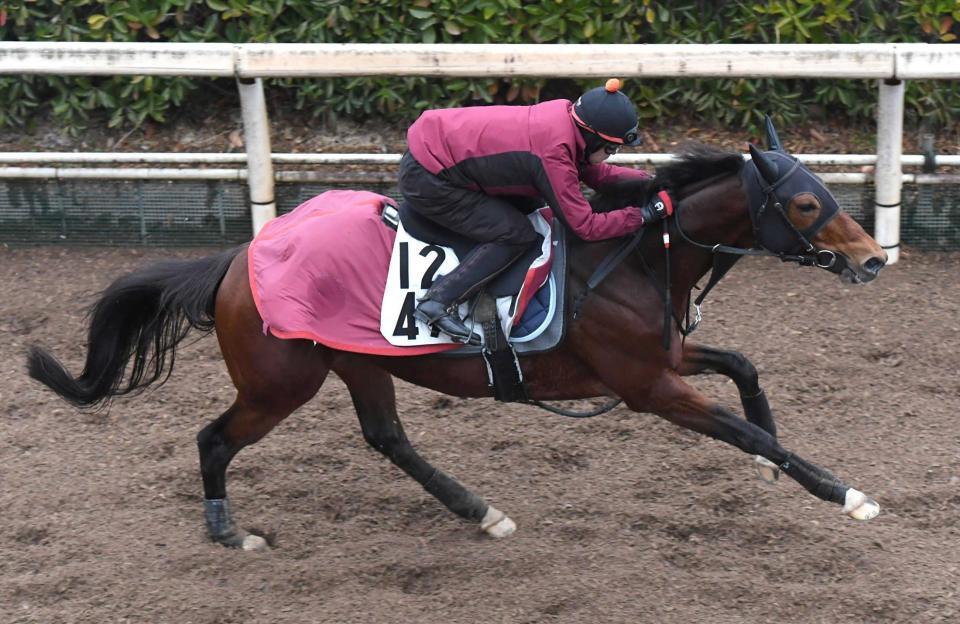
(438,308)
(444,316)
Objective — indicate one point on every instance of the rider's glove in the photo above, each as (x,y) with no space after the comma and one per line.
(660,207)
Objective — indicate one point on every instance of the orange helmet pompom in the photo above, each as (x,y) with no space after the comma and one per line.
(613,85)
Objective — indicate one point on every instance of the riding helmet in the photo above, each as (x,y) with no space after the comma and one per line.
(605,111)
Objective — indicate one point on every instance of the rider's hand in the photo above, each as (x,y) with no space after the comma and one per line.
(659,207)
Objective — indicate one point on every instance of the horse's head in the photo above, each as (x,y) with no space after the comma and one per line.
(794,213)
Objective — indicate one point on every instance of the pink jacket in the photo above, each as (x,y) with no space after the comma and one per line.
(534,151)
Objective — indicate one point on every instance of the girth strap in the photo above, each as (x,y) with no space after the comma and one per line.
(503,367)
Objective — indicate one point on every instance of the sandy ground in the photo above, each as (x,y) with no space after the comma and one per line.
(622,518)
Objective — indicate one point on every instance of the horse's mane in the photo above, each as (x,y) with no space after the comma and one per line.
(695,162)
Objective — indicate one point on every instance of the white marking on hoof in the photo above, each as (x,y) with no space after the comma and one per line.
(766,469)
(859,506)
(254,543)
(495,523)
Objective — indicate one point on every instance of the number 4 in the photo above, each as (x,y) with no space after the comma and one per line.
(406,324)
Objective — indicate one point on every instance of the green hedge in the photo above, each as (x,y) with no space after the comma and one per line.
(131,101)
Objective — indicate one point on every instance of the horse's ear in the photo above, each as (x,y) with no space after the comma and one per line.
(766,167)
(773,141)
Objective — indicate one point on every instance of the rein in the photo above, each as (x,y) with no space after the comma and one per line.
(615,257)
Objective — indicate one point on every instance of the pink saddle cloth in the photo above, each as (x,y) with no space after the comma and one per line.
(318,273)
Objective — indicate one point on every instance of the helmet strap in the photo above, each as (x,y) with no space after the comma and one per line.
(593,141)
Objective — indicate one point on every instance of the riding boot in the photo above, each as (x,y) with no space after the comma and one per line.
(438,307)
(444,317)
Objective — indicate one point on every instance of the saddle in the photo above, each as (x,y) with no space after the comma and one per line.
(519,312)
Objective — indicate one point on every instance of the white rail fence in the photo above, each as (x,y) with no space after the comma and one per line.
(889,64)
(42,170)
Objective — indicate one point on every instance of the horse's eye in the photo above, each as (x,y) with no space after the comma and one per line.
(807,207)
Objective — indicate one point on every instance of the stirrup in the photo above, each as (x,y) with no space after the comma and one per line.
(445,319)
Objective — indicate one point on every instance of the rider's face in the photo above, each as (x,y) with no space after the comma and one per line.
(598,156)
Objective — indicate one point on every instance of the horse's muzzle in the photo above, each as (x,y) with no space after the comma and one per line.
(859,274)
(873,265)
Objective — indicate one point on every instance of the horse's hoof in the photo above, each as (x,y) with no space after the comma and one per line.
(859,506)
(497,524)
(766,469)
(254,543)
(241,540)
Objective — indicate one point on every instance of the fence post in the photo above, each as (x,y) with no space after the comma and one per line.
(888,176)
(256,138)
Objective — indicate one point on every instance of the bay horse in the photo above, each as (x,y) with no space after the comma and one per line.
(614,348)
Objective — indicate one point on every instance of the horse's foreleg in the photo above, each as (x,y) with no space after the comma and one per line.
(699,359)
(682,405)
(374,399)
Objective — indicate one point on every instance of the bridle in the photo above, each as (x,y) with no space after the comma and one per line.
(766,208)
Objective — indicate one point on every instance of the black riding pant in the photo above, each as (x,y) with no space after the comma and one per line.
(499,224)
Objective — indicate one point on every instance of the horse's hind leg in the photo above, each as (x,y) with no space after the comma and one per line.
(243,424)
(271,384)
(699,359)
(373,397)
(273,377)
(252,416)
(216,451)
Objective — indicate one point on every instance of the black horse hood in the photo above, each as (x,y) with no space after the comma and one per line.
(768,201)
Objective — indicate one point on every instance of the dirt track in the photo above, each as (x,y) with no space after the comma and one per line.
(622,518)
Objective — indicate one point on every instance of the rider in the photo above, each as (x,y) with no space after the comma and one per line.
(465,168)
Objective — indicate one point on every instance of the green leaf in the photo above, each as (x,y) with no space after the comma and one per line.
(96,22)
(420,13)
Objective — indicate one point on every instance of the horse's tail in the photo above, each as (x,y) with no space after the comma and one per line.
(140,317)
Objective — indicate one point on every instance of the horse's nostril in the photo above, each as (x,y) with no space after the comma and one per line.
(873,265)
